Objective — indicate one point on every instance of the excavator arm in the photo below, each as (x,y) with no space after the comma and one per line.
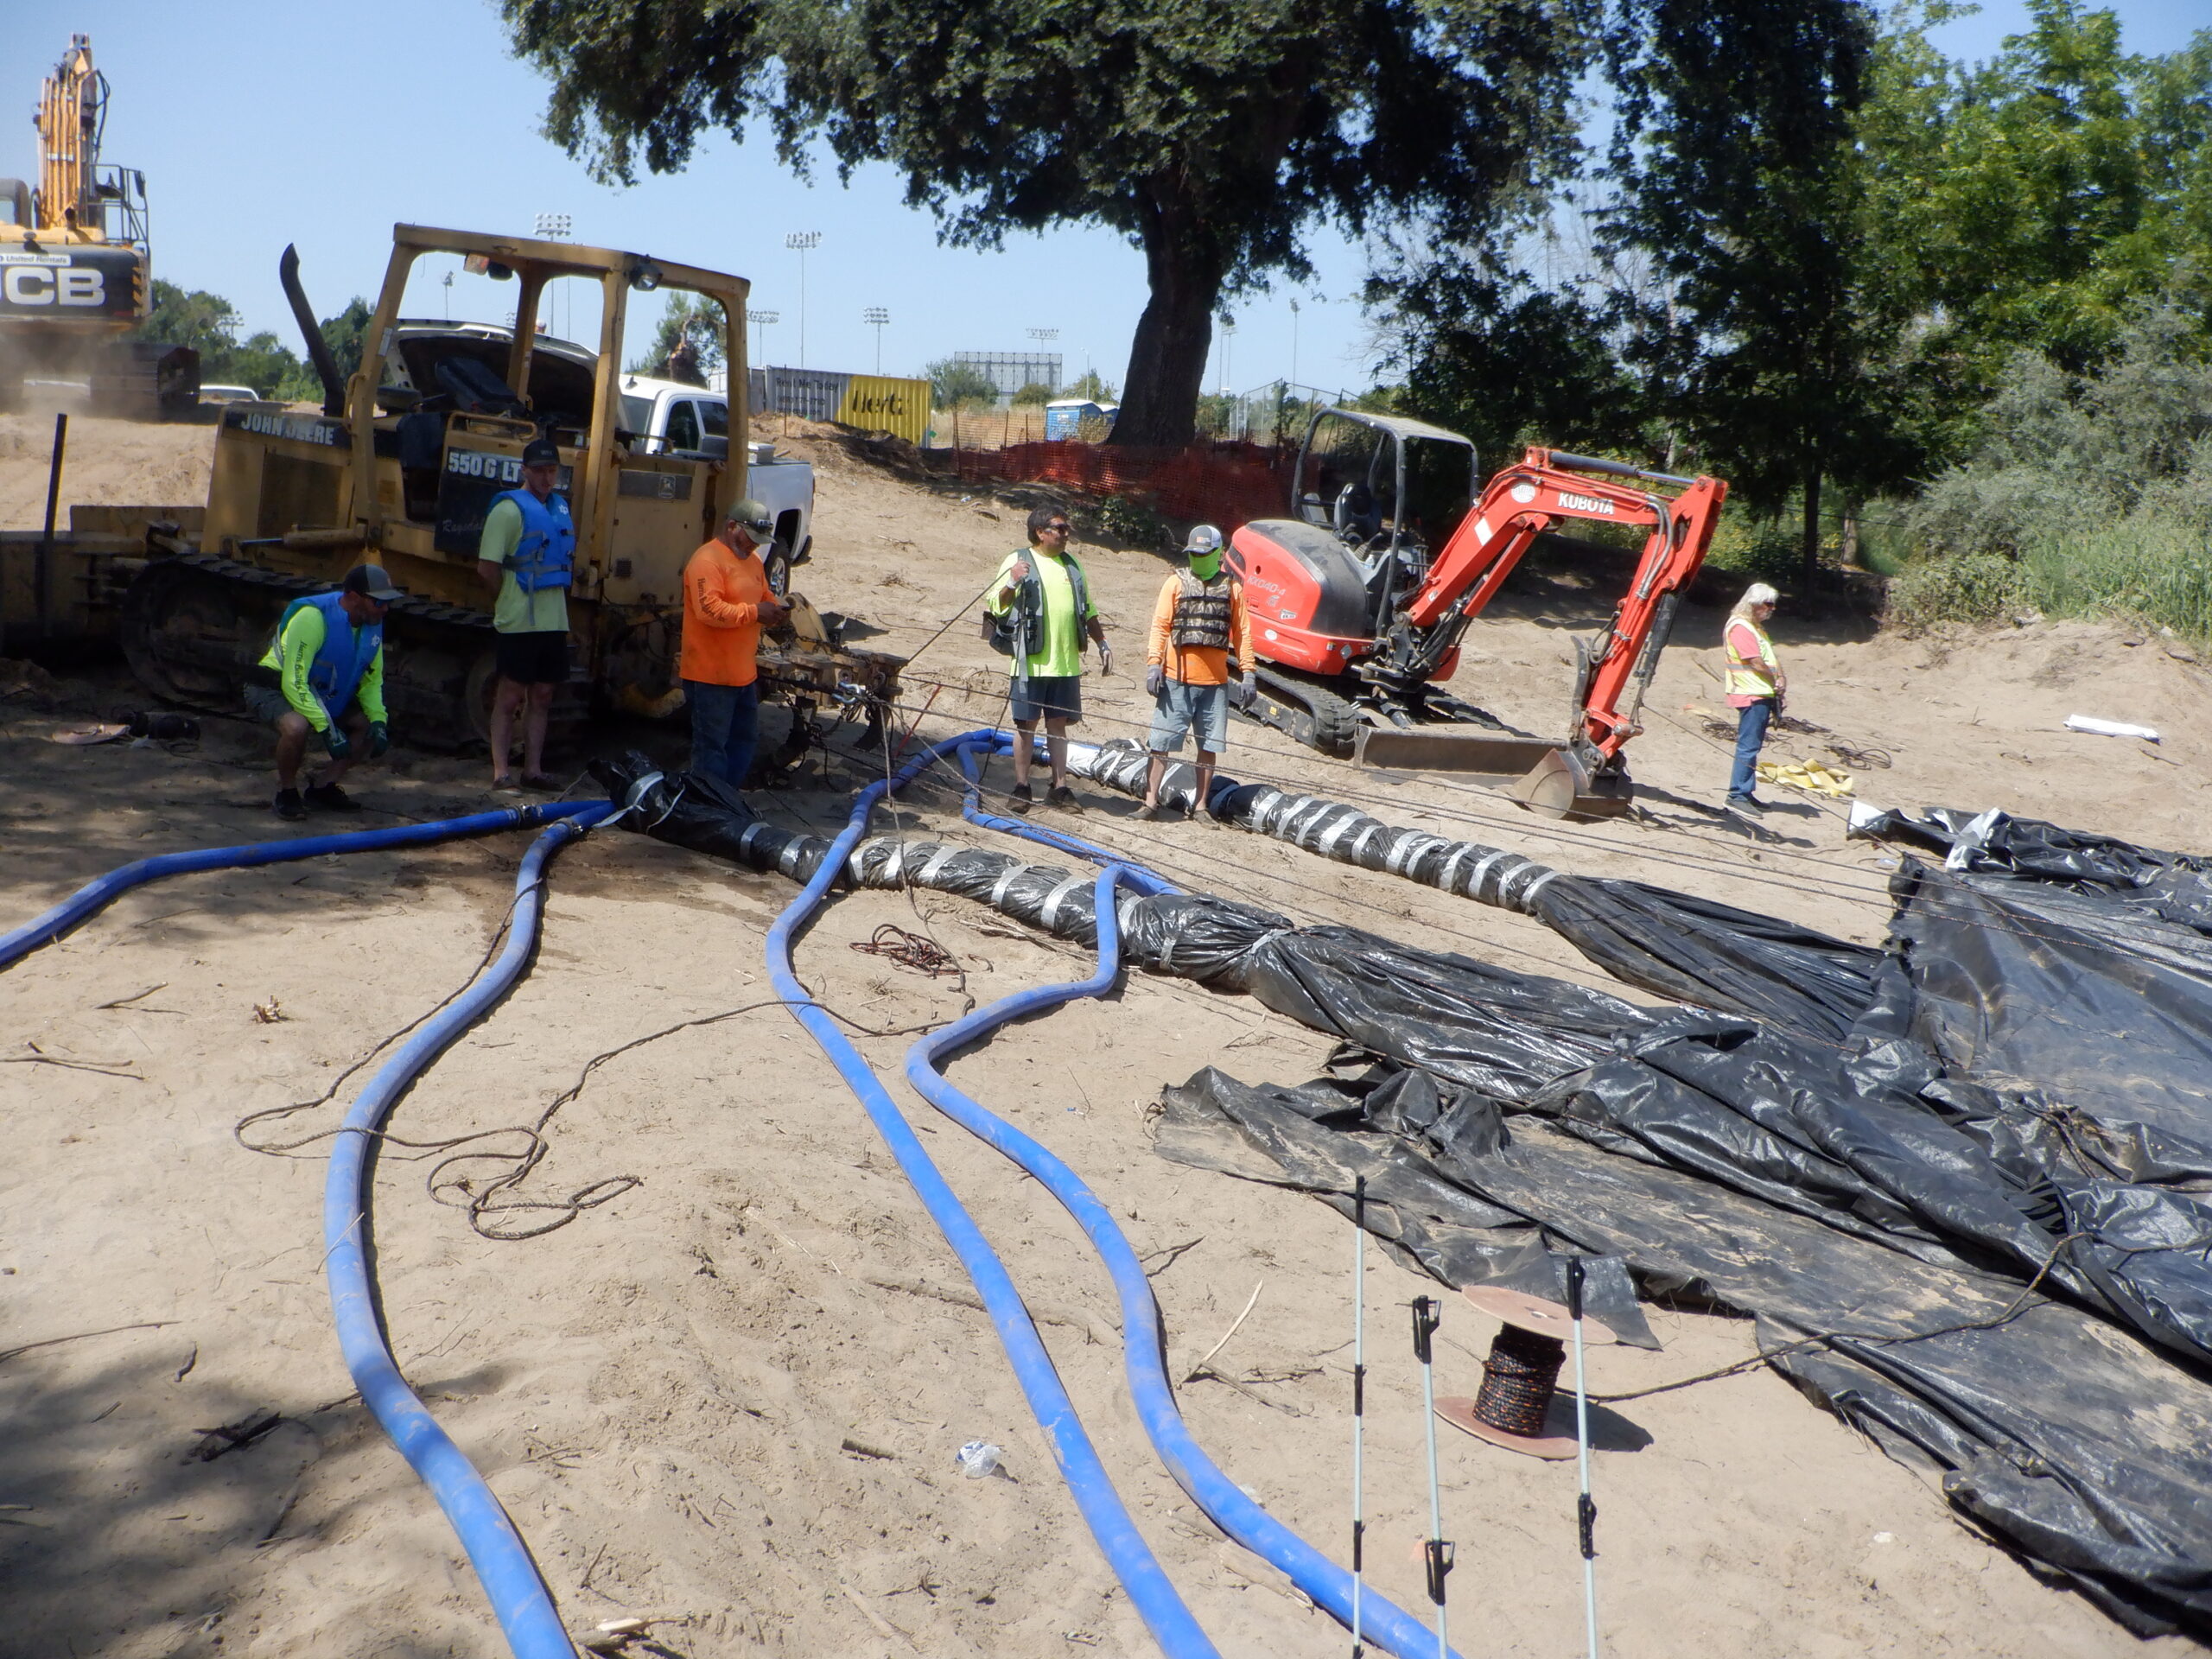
(1521,502)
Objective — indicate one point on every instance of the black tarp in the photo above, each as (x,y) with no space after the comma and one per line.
(1855,1189)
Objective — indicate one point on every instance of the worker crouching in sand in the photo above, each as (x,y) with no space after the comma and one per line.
(1201,634)
(323,676)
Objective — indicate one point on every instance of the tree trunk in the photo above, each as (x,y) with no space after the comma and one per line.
(1167,358)
(1812,543)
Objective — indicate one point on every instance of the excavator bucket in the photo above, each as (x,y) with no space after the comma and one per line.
(1561,786)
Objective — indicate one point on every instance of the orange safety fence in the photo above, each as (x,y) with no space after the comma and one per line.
(1223,484)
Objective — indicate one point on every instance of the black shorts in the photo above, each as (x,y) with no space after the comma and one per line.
(540,658)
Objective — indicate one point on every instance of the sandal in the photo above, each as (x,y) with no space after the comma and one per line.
(505,785)
(543,782)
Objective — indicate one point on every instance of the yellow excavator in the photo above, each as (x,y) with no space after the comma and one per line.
(401,465)
(75,266)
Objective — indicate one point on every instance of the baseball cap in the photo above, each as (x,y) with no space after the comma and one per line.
(1202,539)
(753,518)
(541,451)
(371,580)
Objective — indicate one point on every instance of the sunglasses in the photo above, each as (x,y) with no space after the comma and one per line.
(1063,529)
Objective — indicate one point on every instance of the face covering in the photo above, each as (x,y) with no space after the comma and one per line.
(1206,566)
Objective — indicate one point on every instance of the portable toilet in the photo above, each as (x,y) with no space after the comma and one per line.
(1063,417)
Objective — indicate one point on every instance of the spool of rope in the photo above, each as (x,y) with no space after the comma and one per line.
(1517,1379)
(1520,1373)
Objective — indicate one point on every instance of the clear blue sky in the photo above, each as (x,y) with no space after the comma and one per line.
(259,123)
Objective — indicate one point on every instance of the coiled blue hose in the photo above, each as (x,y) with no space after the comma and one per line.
(98,895)
(1328,1584)
(1150,1591)
(519,1599)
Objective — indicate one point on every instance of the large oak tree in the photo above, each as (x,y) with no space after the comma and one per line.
(1214,134)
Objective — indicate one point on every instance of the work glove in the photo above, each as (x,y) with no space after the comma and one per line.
(1251,682)
(337,742)
(379,739)
(1155,680)
(1105,658)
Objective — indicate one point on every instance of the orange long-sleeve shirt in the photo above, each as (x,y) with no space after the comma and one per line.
(1198,664)
(723,593)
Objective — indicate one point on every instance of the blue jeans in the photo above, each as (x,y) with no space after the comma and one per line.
(725,727)
(1751,732)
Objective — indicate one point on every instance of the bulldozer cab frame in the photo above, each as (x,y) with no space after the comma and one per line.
(597,451)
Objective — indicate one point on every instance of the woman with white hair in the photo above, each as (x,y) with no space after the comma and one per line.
(1755,685)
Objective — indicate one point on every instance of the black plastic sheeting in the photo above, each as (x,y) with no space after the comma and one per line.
(1689,949)
(2014,1290)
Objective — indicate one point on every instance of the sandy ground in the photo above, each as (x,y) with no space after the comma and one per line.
(719,1399)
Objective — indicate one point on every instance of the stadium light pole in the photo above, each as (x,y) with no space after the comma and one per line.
(1293,342)
(1045,337)
(760,320)
(802,243)
(875,316)
(1228,341)
(553,228)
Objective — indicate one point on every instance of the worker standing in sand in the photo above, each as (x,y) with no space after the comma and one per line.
(726,602)
(324,674)
(1755,686)
(1044,591)
(526,555)
(1201,634)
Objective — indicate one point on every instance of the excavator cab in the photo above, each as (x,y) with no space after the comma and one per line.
(1389,488)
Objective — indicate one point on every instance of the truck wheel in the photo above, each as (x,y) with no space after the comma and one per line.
(777,562)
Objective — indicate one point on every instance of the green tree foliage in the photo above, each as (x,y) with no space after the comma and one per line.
(1212,136)
(209,324)
(1036,393)
(2032,201)
(959,385)
(687,345)
(1492,354)
(1090,384)
(1732,164)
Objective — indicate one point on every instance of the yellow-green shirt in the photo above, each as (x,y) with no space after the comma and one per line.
(545,611)
(294,654)
(1062,656)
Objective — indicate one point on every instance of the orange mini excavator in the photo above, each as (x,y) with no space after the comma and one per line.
(1358,621)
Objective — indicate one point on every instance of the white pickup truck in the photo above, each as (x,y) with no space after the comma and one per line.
(673,418)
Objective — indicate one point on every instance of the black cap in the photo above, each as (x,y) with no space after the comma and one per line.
(541,451)
(371,580)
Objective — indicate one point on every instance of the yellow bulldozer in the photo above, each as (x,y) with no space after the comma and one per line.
(75,273)
(401,465)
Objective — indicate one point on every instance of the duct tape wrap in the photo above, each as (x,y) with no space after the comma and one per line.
(1332,828)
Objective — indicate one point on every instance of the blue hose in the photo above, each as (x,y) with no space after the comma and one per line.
(1328,1584)
(1150,1591)
(96,895)
(519,1599)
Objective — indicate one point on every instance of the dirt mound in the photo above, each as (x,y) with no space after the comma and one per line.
(107,461)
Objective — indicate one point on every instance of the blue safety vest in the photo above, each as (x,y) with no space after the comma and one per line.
(547,552)
(346,653)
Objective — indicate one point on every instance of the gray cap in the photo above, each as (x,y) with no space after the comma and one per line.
(753,519)
(371,580)
(1202,539)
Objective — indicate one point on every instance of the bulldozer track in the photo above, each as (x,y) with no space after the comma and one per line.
(194,622)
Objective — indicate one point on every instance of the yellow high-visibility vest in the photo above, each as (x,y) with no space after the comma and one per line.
(1742,683)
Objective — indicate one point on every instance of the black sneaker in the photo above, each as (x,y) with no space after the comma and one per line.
(328,798)
(1063,798)
(1152,812)
(1018,800)
(289,806)
(1746,805)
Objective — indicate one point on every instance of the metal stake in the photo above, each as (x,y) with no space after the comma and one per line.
(1358,1395)
(42,573)
(1585,1512)
(1426,1315)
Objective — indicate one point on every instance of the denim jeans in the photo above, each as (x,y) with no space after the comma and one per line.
(1751,732)
(725,726)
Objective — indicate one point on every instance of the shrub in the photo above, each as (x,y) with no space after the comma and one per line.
(1965,587)
(1123,518)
